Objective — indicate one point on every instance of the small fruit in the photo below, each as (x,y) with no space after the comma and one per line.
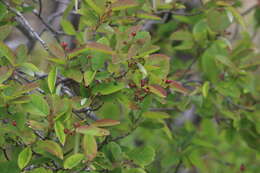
(76,124)
(143,82)
(242,167)
(14,123)
(125,42)
(64,44)
(168,81)
(133,33)
(66,131)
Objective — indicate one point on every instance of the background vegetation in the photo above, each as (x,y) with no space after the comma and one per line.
(129,86)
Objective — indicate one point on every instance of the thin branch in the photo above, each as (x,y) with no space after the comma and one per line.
(40,8)
(22,20)
(178,166)
(247,11)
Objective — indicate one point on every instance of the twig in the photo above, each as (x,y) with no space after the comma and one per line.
(178,166)
(40,8)
(21,19)
(247,11)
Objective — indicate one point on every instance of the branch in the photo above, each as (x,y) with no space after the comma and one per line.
(247,11)
(22,20)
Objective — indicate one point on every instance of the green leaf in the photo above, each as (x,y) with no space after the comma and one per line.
(5,73)
(156,115)
(92,130)
(123,4)
(148,16)
(218,21)
(7,52)
(89,146)
(59,131)
(68,27)
(142,155)
(105,122)
(37,106)
(99,48)
(134,170)
(5,30)
(237,16)
(89,77)
(108,88)
(28,68)
(73,160)
(24,157)
(50,147)
(95,7)
(52,79)
(205,89)
(200,31)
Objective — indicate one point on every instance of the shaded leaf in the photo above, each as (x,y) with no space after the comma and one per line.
(123,4)
(59,131)
(7,52)
(52,79)
(142,155)
(108,88)
(68,27)
(73,160)
(89,146)
(156,115)
(37,106)
(89,77)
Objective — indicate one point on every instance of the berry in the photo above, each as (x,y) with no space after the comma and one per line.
(133,33)
(67,49)
(132,85)
(14,123)
(66,131)
(64,44)
(168,81)
(124,42)
(242,167)
(143,82)
(76,124)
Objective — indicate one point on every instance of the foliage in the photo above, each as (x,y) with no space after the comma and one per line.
(110,101)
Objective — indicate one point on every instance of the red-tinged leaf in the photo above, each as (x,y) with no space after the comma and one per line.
(123,4)
(178,87)
(5,73)
(99,48)
(91,46)
(92,130)
(105,122)
(158,90)
(51,147)
(89,146)
(28,87)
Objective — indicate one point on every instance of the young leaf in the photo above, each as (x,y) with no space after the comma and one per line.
(59,130)
(92,130)
(123,4)
(24,157)
(99,48)
(205,89)
(73,161)
(89,146)
(105,122)
(52,79)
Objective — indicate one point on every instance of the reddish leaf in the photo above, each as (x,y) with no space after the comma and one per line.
(123,4)
(105,122)
(89,146)
(178,87)
(158,90)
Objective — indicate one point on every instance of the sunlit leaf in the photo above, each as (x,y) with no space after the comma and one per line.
(89,146)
